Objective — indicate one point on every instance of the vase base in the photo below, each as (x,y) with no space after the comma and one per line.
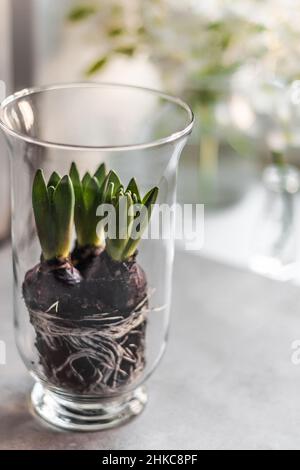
(82,416)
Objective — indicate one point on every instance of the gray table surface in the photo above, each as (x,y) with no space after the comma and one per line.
(226,381)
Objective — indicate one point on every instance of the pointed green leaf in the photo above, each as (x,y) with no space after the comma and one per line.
(120,192)
(115,247)
(133,188)
(124,245)
(75,178)
(148,202)
(112,177)
(39,194)
(85,180)
(100,174)
(90,192)
(42,215)
(96,236)
(51,191)
(135,199)
(79,211)
(130,214)
(74,175)
(151,197)
(63,201)
(54,180)
(87,199)
(108,198)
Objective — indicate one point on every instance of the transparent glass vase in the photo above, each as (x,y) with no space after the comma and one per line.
(274,251)
(90,336)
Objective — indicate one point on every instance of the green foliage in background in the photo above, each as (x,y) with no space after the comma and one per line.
(196,46)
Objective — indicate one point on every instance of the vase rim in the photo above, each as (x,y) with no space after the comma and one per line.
(171,138)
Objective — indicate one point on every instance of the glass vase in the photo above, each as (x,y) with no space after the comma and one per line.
(91,312)
(274,251)
(219,164)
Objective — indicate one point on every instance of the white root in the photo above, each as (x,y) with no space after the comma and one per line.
(101,340)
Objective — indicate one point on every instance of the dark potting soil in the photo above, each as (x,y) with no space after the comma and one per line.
(85,344)
(53,282)
(121,285)
(83,256)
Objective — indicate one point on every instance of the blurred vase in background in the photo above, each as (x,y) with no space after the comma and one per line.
(275,247)
(275,244)
(220,163)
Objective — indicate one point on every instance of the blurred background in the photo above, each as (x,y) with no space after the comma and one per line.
(236,63)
